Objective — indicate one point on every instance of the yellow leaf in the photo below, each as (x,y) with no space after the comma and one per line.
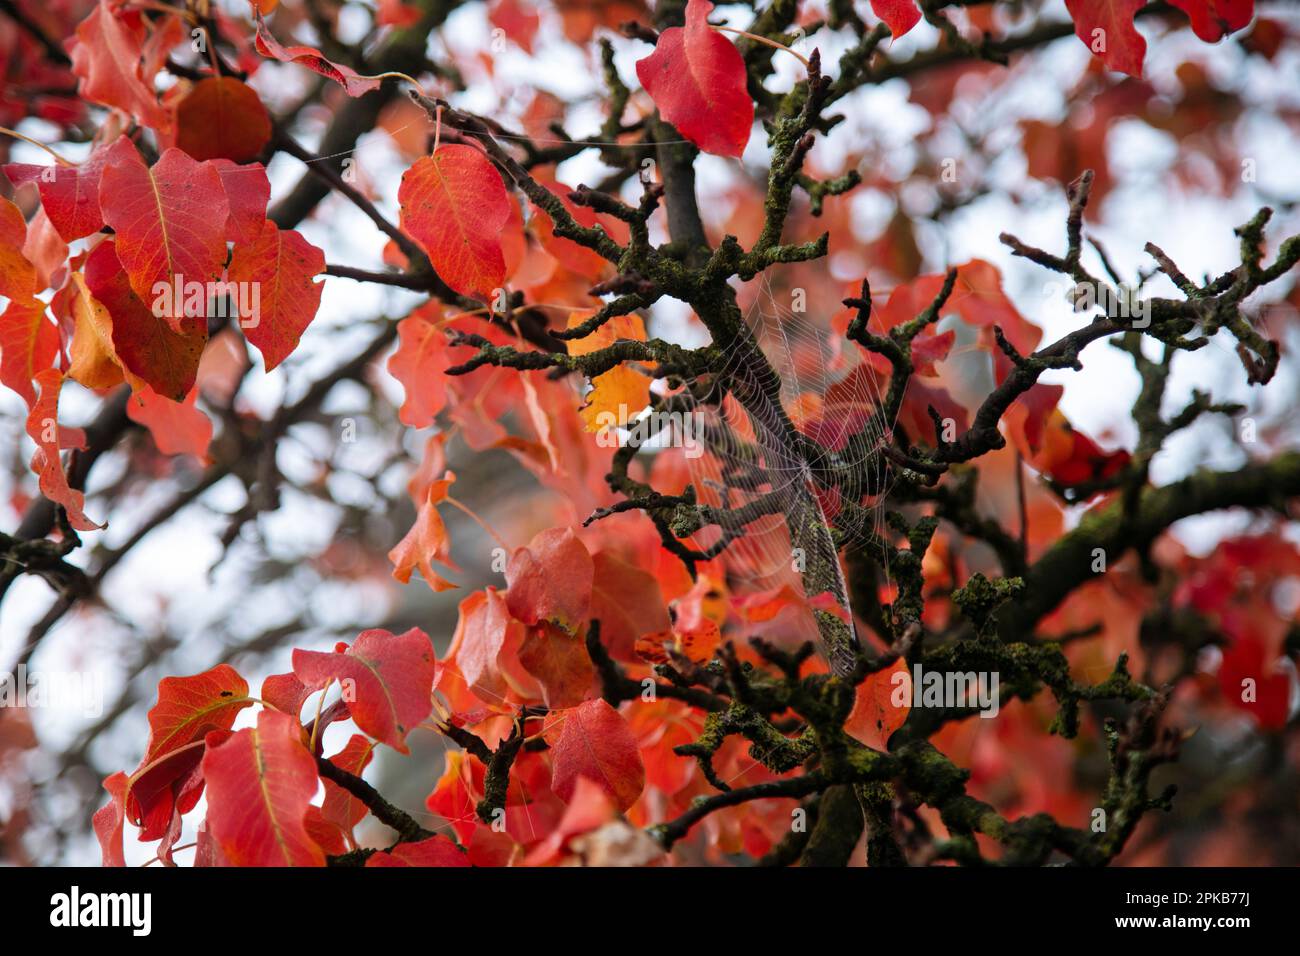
(94,363)
(619,395)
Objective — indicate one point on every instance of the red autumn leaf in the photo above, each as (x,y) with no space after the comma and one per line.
(1249,682)
(419,363)
(45,251)
(899,15)
(1070,457)
(454,796)
(161,789)
(455,206)
(339,807)
(109,821)
(426,542)
(582,17)
(435,851)
(248,192)
(875,715)
(395,13)
(206,851)
(387,680)
(43,427)
(978,298)
(560,663)
(189,707)
(29,343)
(1034,410)
(285,693)
(589,808)
(146,344)
(69,194)
(518,19)
(108,57)
(282,266)
(324,834)
(346,77)
(1214,19)
(178,428)
(595,742)
(696,78)
(905,302)
(1106,28)
(551,580)
(222,117)
(627,602)
(169,219)
(483,630)
(260,784)
(489,848)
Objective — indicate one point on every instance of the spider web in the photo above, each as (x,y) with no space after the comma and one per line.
(755,463)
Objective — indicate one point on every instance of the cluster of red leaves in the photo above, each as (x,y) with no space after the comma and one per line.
(603,768)
(1106,26)
(199,213)
(521,647)
(132,306)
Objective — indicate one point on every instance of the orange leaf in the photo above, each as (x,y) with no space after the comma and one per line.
(189,707)
(419,364)
(94,363)
(426,542)
(43,427)
(881,704)
(627,602)
(276,272)
(455,206)
(29,343)
(483,630)
(222,117)
(178,428)
(616,396)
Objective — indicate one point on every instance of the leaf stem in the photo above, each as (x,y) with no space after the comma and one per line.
(27,139)
(766,42)
(481,523)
